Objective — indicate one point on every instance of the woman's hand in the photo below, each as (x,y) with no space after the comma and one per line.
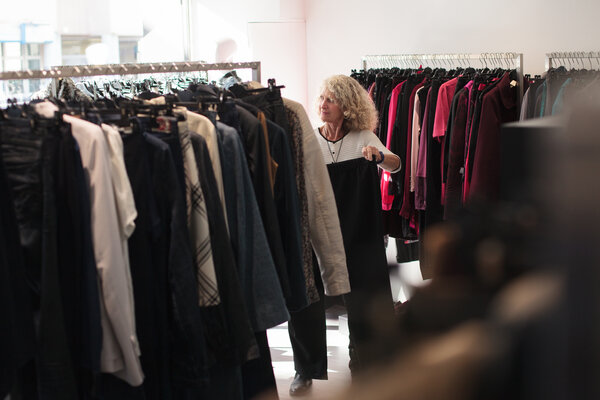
(389,162)
(370,151)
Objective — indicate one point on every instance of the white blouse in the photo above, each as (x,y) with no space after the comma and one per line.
(350,147)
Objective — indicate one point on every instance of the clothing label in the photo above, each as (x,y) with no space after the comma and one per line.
(164,124)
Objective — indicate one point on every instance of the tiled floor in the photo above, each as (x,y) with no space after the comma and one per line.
(337,356)
(403,278)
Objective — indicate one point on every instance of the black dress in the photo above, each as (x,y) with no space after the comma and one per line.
(356,188)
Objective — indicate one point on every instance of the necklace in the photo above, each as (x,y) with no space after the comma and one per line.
(335,159)
(331,152)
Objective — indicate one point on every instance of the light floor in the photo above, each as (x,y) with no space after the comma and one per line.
(337,357)
(403,278)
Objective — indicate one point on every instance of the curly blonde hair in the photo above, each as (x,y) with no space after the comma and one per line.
(354,101)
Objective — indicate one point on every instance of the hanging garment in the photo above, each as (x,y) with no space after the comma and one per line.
(525,103)
(208,290)
(433,208)
(165,276)
(455,171)
(254,142)
(30,156)
(387,194)
(157,198)
(124,200)
(444,103)
(441,121)
(529,100)
(78,272)
(560,97)
(197,221)
(421,181)
(499,106)
(203,126)
(17,343)
(268,107)
(479,91)
(326,237)
(462,81)
(416,137)
(408,204)
(356,187)
(239,330)
(399,136)
(297,141)
(120,349)
(288,213)
(256,269)
(257,375)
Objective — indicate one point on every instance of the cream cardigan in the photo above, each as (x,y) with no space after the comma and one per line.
(325,232)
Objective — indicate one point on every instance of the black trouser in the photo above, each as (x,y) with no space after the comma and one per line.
(308,335)
(17,340)
(30,157)
(308,332)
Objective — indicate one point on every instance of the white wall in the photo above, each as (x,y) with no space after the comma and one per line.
(281,49)
(270,31)
(340,33)
(34,11)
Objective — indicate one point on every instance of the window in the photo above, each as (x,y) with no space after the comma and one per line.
(128,50)
(15,56)
(73,48)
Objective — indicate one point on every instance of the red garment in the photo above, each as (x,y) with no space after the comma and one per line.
(499,106)
(386,198)
(442,109)
(408,198)
(440,123)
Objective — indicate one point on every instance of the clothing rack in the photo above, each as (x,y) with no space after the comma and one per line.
(573,59)
(514,60)
(508,60)
(130,69)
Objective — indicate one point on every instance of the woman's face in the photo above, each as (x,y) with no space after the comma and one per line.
(329,111)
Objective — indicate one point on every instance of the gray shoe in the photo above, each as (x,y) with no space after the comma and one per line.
(300,385)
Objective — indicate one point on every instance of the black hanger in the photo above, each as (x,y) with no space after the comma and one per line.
(14,110)
(272,86)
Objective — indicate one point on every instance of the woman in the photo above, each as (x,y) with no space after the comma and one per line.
(351,151)
(350,117)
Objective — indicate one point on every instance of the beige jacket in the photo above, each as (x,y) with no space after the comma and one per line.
(325,231)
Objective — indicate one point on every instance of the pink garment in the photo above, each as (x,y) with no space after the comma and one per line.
(371,90)
(416,135)
(408,203)
(442,109)
(421,183)
(388,199)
